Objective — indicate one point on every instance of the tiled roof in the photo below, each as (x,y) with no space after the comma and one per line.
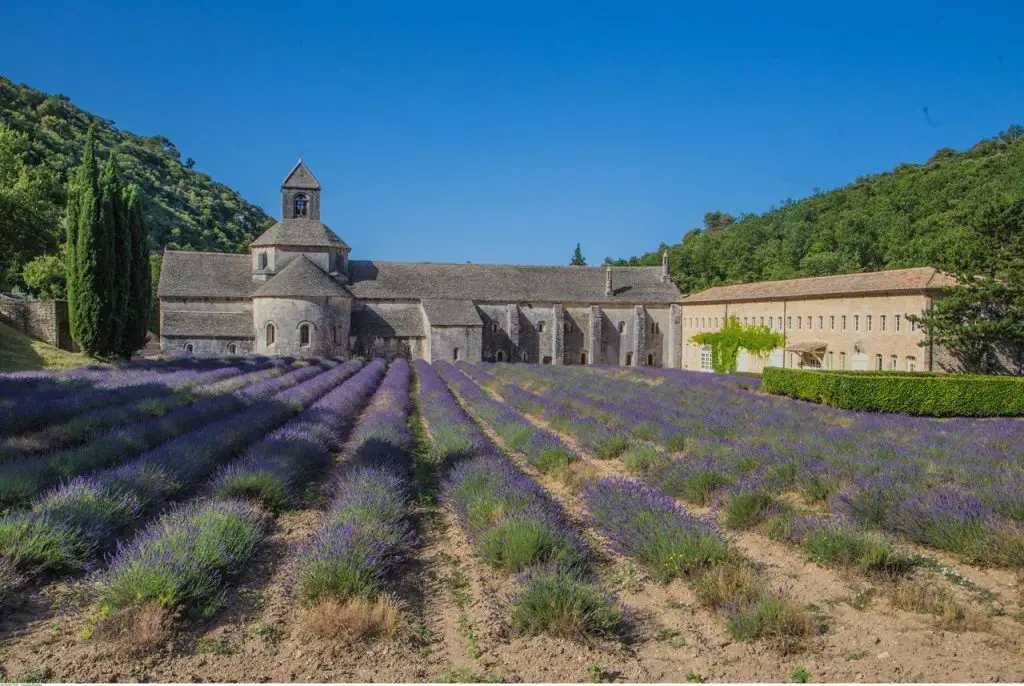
(507,283)
(300,232)
(387,323)
(916,279)
(301,278)
(208,324)
(186,274)
(451,313)
(301,177)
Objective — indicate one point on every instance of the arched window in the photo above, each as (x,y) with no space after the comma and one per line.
(583,358)
(706,363)
(629,359)
(653,330)
(540,327)
(261,260)
(455,354)
(622,327)
(501,356)
(232,349)
(271,334)
(494,327)
(568,326)
(301,205)
(650,359)
(303,334)
(523,356)
(189,348)
(546,360)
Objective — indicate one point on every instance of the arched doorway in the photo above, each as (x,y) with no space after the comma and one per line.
(629,359)
(650,359)
(583,358)
(500,356)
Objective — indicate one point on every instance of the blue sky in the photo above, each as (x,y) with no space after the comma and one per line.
(507,132)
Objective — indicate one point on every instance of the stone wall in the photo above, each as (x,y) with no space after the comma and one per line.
(446,340)
(206,347)
(329,320)
(45,320)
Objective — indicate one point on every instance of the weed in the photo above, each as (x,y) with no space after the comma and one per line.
(677,605)
(695,678)
(747,508)
(214,646)
(271,633)
(927,598)
(556,602)
(801,675)
(464,675)
(856,655)
(34,677)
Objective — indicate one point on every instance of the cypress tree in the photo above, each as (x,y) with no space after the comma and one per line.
(139,296)
(115,225)
(89,257)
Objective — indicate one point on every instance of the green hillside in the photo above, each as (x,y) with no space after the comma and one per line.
(915,215)
(41,139)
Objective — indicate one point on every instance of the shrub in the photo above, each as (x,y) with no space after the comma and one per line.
(748,507)
(949,395)
(641,459)
(558,603)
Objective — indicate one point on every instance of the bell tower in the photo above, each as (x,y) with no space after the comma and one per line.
(300,194)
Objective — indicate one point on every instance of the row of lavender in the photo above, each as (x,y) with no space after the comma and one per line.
(66,528)
(186,557)
(956,485)
(26,477)
(513,524)
(643,522)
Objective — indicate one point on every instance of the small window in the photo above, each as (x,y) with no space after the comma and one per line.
(832,322)
(189,348)
(842,360)
(650,359)
(523,356)
(856,322)
(540,327)
(629,359)
(893,362)
(622,327)
(706,363)
(271,334)
(869,322)
(896,321)
(799,322)
(568,326)
(789,323)
(304,334)
(261,260)
(301,205)
(821,322)
(494,327)
(769,322)
(878,362)
(232,349)
(911,364)
(844,322)
(881,323)
(501,356)
(455,354)
(583,358)
(831,360)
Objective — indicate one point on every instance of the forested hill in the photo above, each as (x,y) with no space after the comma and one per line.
(185,208)
(915,215)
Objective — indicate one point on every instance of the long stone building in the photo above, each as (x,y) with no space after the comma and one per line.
(298,293)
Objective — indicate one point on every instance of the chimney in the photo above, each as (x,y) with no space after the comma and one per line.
(608,280)
(664,266)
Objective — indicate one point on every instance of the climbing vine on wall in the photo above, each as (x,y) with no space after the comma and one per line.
(727,341)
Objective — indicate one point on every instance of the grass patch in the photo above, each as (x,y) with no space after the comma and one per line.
(643,458)
(558,603)
(18,353)
(611,447)
(748,508)
(753,610)
(354,618)
(929,598)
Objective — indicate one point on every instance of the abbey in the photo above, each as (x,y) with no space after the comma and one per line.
(298,293)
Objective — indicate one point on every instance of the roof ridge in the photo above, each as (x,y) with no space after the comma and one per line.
(510,264)
(206,252)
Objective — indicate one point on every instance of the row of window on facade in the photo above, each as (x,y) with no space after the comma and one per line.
(829,360)
(541,325)
(808,322)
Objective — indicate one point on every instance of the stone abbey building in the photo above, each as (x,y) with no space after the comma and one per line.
(298,293)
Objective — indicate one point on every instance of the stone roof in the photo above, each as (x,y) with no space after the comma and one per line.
(507,283)
(391,323)
(451,313)
(301,278)
(301,177)
(300,232)
(917,279)
(207,324)
(187,274)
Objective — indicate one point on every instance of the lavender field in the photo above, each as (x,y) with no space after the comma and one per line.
(327,520)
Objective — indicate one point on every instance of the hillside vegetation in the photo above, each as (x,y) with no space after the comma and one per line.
(18,353)
(41,140)
(914,215)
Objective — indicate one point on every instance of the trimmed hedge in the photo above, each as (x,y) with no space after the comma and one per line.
(930,395)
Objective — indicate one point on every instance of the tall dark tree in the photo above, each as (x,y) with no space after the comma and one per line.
(139,296)
(90,258)
(115,226)
(980,321)
(578,260)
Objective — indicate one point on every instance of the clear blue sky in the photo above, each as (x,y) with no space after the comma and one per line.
(507,131)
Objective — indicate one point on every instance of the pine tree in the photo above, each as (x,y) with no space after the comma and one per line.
(89,257)
(115,225)
(578,260)
(139,293)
